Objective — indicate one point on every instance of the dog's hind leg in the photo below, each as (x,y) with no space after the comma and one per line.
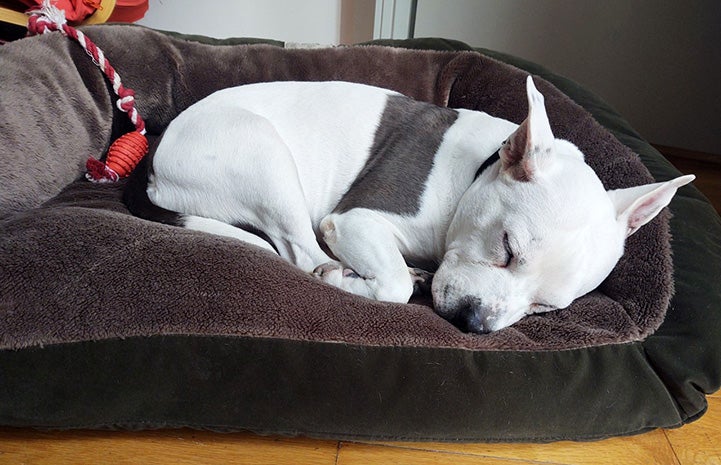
(249,179)
(367,243)
(209,225)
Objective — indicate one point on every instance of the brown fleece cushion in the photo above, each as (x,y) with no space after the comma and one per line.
(79,267)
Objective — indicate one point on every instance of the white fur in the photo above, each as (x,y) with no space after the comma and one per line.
(280,156)
(198,223)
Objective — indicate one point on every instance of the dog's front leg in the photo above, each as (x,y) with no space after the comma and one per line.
(372,265)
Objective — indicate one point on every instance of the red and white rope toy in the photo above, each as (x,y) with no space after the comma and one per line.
(125,153)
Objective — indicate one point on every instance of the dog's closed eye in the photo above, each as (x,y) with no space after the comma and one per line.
(508,250)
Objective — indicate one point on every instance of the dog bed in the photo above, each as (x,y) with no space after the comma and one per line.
(109,321)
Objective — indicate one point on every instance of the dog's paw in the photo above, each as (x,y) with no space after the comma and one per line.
(334,273)
(422,281)
(337,275)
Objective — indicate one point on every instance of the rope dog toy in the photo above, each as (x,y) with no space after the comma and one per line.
(125,153)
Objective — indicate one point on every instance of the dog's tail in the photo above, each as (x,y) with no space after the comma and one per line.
(135,195)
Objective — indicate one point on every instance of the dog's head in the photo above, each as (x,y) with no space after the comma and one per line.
(536,230)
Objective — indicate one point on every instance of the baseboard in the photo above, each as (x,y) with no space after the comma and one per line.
(675,152)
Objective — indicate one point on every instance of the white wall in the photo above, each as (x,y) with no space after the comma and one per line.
(312,21)
(657,62)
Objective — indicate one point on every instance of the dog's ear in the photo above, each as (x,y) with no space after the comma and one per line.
(636,206)
(531,145)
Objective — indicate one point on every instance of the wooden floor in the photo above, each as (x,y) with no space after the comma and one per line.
(698,443)
(707,169)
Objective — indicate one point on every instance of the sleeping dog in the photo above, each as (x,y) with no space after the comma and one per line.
(515,220)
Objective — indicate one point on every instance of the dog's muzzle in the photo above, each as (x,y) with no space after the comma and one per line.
(470,316)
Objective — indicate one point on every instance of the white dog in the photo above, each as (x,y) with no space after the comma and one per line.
(515,227)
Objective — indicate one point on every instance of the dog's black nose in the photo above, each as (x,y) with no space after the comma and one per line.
(469,319)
